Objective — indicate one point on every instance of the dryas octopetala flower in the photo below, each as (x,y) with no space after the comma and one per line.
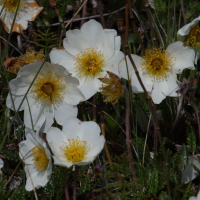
(195,198)
(14,64)
(28,11)
(53,94)
(190,31)
(79,143)
(112,88)
(88,54)
(37,159)
(158,69)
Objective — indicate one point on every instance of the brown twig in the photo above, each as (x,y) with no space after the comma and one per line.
(94,110)
(79,19)
(153,111)
(75,177)
(102,124)
(183,12)
(134,26)
(83,14)
(151,24)
(66,185)
(101,13)
(128,137)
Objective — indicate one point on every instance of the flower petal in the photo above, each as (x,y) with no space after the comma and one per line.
(182,56)
(56,55)
(113,63)
(93,30)
(157,94)
(75,42)
(123,67)
(73,95)
(72,128)
(186,29)
(64,111)
(117,43)
(38,116)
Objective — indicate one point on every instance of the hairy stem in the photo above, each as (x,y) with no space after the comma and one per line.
(128,137)
(66,185)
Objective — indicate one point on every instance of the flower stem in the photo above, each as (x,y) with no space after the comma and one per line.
(153,111)
(74,187)
(128,137)
(66,185)
(102,121)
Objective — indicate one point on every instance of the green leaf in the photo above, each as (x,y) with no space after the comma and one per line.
(153,182)
(186,191)
(20,193)
(191,139)
(181,157)
(85,185)
(163,196)
(49,189)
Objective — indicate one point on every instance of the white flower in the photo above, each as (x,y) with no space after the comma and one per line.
(189,172)
(79,143)
(28,11)
(53,94)
(158,70)
(88,54)
(192,29)
(1,163)
(195,198)
(37,158)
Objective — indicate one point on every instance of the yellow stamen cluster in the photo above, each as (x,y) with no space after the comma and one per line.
(48,88)
(75,150)
(195,32)
(40,158)
(25,59)
(89,63)
(157,64)
(11,5)
(113,89)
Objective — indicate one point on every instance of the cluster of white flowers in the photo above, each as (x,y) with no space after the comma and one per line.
(74,74)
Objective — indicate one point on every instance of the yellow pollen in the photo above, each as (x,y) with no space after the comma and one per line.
(195,32)
(113,90)
(157,64)
(48,89)
(89,63)
(75,150)
(39,158)
(11,5)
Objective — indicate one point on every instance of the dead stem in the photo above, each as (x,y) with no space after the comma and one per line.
(183,12)
(74,186)
(134,26)
(94,110)
(83,14)
(128,138)
(153,111)
(102,124)
(151,24)
(55,9)
(66,185)
(101,13)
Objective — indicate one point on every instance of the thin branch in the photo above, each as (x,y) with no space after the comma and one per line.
(183,12)
(66,185)
(79,19)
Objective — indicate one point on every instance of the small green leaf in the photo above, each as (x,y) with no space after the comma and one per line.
(191,139)
(163,196)
(153,182)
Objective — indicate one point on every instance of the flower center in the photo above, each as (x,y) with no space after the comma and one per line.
(89,63)
(75,150)
(48,89)
(39,158)
(157,63)
(11,5)
(194,32)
